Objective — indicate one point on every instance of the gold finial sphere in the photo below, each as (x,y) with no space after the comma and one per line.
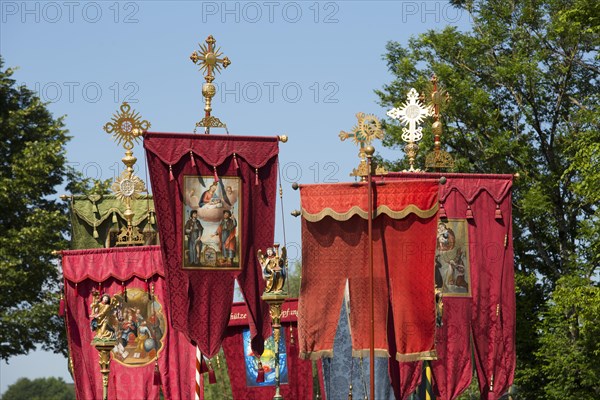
(295,186)
(369,151)
(283,138)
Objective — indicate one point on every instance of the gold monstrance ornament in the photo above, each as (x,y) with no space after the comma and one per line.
(411,115)
(438,158)
(210,61)
(126,127)
(363,134)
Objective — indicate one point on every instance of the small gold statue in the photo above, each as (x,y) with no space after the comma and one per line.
(273,269)
(102,315)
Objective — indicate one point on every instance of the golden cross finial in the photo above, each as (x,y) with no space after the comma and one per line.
(210,61)
(363,134)
(127,126)
(438,158)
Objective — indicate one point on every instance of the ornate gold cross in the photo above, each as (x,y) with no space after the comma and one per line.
(363,134)
(210,61)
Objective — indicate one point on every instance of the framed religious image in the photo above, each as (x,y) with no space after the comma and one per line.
(452,269)
(212,223)
(267,360)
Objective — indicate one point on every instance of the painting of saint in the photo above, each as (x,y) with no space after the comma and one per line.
(211,234)
(452,269)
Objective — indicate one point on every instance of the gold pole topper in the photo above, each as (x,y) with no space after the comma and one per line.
(411,115)
(363,134)
(210,61)
(127,126)
(438,158)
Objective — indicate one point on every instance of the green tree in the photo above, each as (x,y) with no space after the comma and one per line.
(525,94)
(40,389)
(569,341)
(33,222)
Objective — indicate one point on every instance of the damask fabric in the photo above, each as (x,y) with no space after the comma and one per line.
(200,301)
(299,384)
(335,249)
(488,315)
(342,369)
(92,220)
(148,337)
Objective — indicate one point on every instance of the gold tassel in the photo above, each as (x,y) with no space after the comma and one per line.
(114,218)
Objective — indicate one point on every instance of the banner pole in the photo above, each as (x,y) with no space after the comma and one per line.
(369,150)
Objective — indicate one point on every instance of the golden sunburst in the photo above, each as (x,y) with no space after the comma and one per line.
(128,186)
(209,59)
(126,126)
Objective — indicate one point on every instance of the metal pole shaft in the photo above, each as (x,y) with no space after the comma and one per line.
(371,281)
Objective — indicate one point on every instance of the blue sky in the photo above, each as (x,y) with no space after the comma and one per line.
(300,68)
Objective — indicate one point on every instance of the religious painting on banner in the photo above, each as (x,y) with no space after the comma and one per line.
(140,330)
(452,266)
(267,360)
(212,229)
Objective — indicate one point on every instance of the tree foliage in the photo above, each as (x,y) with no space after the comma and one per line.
(525,95)
(40,389)
(32,224)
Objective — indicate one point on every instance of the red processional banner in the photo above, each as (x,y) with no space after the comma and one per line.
(335,251)
(296,375)
(215,203)
(474,268)
(131,281)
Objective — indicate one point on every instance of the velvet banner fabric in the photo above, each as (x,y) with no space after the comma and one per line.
(133,277)
(200,300)
(486,316)
(299,373)
(335,250)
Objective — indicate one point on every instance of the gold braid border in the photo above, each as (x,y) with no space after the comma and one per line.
(356,210)
(424,355)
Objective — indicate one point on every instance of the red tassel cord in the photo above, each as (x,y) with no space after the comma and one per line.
(203,366)
(442,214)
(498,213)
(157,381)
(61,307)
(212,378)
(235,162)
(256,176)
(171,177)
(192,158)
(469,213)
(215,173)
(124,291)
(76,290)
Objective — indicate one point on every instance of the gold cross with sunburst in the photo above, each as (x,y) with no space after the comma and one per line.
(210,61)
(126,127)
(363,134)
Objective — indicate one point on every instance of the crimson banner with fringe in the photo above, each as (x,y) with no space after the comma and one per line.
(335,250)
(150,355)
(204,253)
(475,270)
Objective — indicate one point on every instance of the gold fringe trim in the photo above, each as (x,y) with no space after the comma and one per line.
(356,210)
(424,355)
(316,355)
(364,353)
